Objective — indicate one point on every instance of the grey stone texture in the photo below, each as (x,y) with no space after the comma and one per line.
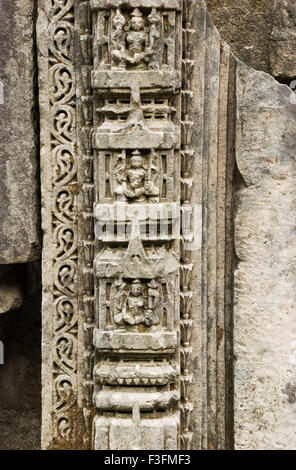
(260,32)
(18,134)
(19,230)
(11,297)
(20,429)
(283,36)
(265,279)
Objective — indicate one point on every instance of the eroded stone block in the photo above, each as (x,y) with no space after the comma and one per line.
(264,326)
(19,207)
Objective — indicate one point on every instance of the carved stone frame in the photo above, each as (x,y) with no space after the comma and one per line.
(64,38)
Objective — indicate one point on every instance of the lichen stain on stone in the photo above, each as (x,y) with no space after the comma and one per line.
(21,68)
(290,391)
(76,188)
(220,334)
(143,329)
(75,416)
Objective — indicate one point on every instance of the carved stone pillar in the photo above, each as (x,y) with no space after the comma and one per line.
(134,200)
(135,149)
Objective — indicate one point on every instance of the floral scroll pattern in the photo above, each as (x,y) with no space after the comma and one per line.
(64,219)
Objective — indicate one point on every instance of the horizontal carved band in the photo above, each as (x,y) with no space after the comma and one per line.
(116,341)
(135,374)
(161,4)
(125,400)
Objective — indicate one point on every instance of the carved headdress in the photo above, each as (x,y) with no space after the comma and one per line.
(137,12)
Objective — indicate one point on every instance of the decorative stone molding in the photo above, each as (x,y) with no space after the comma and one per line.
(136,140)
(60,189)
(134,107)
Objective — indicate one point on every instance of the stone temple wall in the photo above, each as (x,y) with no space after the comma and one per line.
(235,166)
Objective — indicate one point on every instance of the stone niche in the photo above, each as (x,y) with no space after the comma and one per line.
(152,143)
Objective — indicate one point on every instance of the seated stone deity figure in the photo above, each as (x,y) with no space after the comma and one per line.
(133,307)
(129,48)
(134,311)
(136,39)
(136,184)
(136,45)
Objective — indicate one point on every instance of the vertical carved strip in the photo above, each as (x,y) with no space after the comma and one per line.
(60,255)
(125,134)
(85,130)
(136,84)
(187,235)
(64,221)
(211,259)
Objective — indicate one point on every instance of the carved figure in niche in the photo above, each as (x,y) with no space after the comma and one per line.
(153,49)
(135,183)
(153,302)
(136,39)
(117,37)
(136,45)
(136,303)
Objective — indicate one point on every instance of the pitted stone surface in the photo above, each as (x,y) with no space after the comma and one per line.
(260,32)
(19,206)
(265,300)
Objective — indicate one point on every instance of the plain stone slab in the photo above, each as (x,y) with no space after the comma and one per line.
(18,168)
(264,284)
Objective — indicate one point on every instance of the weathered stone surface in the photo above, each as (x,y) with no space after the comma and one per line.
(246,25)
(260,32)
(11,291)
(127,137)
(18,159)
(283,38)
(20,429)
(125,161)
(211,115)
(265,240)
(11,297)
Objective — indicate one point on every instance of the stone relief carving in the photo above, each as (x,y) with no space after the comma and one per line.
(135,182)
(187,185)
(138,102)
(136,117)
(140,38)
(136,303)
(127,242)
(136,175)
(133,43)
(64,162)
(135,139)
(61,184)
